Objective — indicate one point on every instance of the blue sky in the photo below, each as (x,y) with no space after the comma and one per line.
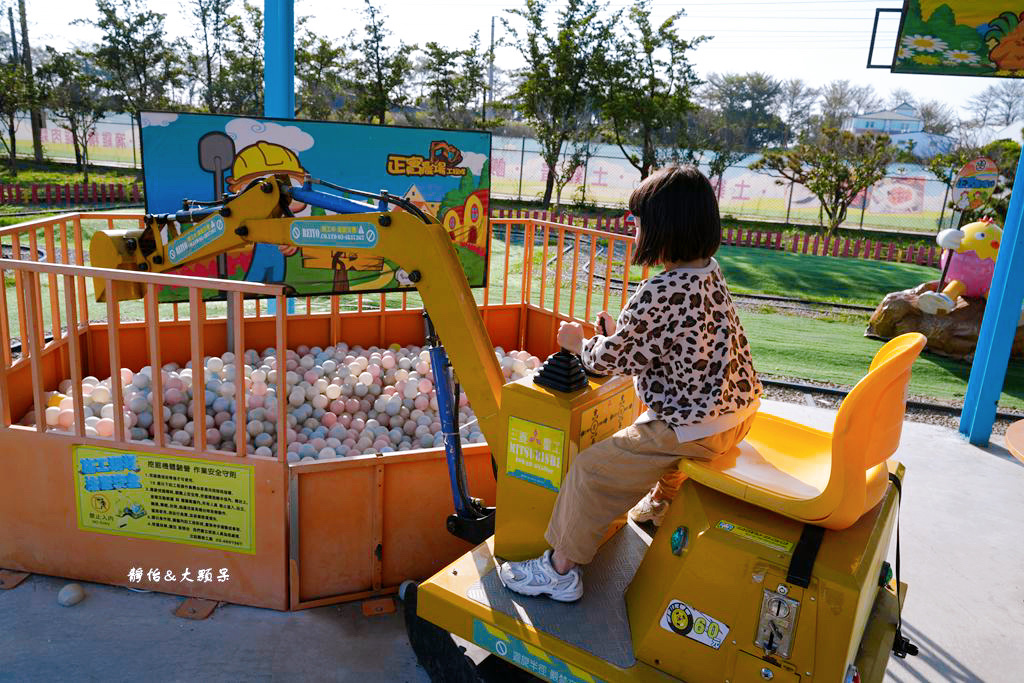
(817,40)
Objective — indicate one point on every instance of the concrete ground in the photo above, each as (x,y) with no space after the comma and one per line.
(962,556)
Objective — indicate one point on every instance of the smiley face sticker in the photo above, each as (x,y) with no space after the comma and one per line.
(684,620)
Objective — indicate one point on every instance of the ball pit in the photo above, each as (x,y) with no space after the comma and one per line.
(342,401)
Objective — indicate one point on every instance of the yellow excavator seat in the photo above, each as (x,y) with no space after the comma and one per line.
(829,480)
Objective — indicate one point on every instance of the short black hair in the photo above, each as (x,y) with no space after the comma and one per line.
(678,214)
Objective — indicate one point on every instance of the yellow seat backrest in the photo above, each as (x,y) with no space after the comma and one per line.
(867,430)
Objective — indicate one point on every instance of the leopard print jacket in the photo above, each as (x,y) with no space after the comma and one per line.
(680,338)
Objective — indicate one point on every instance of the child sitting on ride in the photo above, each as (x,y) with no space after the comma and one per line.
(681,340)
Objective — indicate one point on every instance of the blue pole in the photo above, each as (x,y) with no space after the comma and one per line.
(279,58)
(279,71)
(999,326)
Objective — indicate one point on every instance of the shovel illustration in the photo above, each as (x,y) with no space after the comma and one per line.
(216,152)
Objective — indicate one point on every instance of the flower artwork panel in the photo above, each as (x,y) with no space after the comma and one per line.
(961,38)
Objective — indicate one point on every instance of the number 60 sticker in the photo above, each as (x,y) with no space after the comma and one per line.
(683,620)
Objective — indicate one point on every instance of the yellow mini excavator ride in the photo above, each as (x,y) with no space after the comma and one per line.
(769,566)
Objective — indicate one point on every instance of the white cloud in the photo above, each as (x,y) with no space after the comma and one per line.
(158,119)
(246,132)
(473,161)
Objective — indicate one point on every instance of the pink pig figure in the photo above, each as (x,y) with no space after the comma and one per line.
(971,253)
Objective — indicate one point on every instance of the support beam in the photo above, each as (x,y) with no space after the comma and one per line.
(999,326)
(279,72)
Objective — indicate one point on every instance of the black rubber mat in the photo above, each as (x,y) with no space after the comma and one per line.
(597,623)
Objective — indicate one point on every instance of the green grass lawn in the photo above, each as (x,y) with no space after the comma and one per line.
(837,352)
(50,172)
(820,278)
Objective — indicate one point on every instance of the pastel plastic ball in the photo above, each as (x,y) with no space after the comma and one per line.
(105,427)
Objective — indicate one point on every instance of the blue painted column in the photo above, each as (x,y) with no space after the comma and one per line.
(279,58)
(279,71)
(999,326)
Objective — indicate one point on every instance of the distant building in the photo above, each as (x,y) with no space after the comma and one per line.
(904,126)
(902,119)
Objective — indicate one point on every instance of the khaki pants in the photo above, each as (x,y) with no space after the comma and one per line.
(607,479)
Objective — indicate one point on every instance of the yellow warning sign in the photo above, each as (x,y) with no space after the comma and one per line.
(165,497)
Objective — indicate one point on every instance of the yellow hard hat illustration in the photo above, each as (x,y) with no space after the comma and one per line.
(262,158)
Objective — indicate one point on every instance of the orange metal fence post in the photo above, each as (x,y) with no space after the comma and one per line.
(280,339)
(155,364)
(74,356)
(196,320)
(508,250)
(575,267)
(83,303)
(114,345)
(558,272)
(590,273)
(236,301)
(30,283)
(625,273)
(55,322)
(608,272)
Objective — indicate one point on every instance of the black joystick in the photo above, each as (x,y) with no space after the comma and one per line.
(562,371)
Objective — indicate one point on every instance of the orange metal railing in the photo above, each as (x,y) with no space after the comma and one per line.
(596,263)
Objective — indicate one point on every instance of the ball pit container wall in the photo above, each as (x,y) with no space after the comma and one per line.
(324,531)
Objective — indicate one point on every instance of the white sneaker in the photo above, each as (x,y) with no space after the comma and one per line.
(538,577)
(649,510)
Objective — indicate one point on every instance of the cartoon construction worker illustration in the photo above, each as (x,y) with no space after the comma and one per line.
(269,261)
(254,161)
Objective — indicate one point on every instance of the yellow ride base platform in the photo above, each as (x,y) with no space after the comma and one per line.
(842,617)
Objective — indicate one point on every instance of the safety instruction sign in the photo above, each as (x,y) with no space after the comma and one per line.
(755,536)
(535,453)
(528,657)
(195,239)
(165,497)
(607,417)
(347,234)
(683,620)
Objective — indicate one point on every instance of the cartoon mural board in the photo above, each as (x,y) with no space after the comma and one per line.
(975,183)
(201,156)
(961,38)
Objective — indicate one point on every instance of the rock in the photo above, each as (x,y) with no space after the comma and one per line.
(71,594)
(954,334)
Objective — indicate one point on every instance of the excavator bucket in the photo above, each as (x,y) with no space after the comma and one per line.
(111,249)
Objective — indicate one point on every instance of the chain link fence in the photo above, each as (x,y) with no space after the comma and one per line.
(115,141)
(910,199)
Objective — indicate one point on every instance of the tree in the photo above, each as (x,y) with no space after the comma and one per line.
(452,81)
(35,116)
(136,52)
(999,104)
(381,75)
(242,80)
(73,90)
(796,102)
(648,88)
(748,101)
(939,118)
(835,168)
(320,68)
(211,31)
(15,97)
(558,92)
(900,96)
(715,142)
(841,99)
